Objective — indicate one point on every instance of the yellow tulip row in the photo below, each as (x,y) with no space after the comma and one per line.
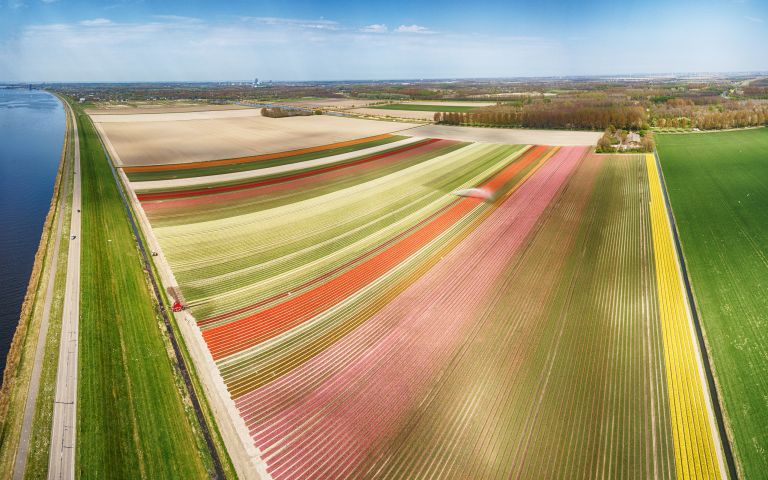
(695,437)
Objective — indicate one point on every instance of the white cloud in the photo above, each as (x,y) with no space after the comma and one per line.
(413,29)
(375,28)
(754,19)
(96,22)
(321,24)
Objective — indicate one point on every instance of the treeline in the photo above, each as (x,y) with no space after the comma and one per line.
(706,119)
(280,112)
(555,115)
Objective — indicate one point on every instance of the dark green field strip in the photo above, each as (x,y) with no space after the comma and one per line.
(132,420)
(193,213)
(718,187)
(242,167)
(425,108)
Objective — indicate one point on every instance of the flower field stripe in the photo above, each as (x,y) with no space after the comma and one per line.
(241,334)
(270,360)
(194,210)
(324,276)
(254,158)
(697,446)
(148,186)
(283,178)
(326,430)
(264,238)
(496,411)
(261,255)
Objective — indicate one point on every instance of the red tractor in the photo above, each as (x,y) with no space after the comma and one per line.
(177,306)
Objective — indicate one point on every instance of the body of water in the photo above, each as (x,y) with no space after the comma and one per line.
(32,128)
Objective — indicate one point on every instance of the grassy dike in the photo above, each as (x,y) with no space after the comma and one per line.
(22,353)
(134,417)
(40,436)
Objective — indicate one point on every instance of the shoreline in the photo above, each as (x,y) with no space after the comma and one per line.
(22,344)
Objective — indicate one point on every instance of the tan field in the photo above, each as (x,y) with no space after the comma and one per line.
(121,109)
(508,135)
(160,139)
(407,114)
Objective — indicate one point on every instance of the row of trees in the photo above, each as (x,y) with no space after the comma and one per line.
(540,115)
(278,112)
(715,120)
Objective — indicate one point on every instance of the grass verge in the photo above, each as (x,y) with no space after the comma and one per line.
(133,419)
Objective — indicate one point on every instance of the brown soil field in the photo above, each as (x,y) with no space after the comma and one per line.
(161,139)
(507,135)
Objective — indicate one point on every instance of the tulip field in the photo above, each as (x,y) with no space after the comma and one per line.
(371,316)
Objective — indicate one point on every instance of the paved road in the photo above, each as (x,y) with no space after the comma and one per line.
(61,463)
(22,455)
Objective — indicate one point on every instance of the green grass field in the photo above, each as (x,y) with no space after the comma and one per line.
(718,186)
(133,420)
(425,108)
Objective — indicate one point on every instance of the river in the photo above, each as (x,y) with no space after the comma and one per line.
(32,127)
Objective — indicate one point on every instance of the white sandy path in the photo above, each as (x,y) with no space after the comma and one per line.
(261,172)
(161,139)
(507,135)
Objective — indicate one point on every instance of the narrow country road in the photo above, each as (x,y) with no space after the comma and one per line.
(20,464)
(61,463)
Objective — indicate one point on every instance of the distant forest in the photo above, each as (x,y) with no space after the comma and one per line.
(719,102)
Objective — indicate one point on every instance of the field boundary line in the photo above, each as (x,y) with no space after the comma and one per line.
(703,359)
(255,468)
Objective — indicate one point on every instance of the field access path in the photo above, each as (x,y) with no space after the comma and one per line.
(61,463)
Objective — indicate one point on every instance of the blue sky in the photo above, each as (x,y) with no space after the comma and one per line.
(125,40)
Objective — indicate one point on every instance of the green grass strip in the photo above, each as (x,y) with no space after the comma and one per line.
(132,419)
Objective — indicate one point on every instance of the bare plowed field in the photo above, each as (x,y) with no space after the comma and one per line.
(156,139)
